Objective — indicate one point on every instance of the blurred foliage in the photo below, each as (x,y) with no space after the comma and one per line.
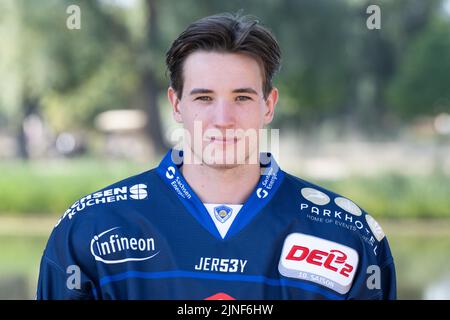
(422,84)
(74,75)
(50,188)
(333,66)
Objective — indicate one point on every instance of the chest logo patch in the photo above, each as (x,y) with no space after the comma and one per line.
(314,259)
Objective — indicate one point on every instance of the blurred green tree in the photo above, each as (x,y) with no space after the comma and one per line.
(69,76)
(421,87)
(333,66)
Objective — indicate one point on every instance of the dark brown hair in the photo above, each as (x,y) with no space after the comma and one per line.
(225,33)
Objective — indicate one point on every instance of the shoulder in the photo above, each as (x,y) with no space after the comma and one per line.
(314,195)
(96,205)
(334,216)
(338,239)
(107,209)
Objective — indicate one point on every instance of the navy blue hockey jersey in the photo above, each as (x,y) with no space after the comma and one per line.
(150,237)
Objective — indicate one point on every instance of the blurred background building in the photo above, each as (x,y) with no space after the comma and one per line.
(363,112)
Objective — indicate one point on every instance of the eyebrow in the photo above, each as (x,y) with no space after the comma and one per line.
(200,90)
(240,90)
(245,90)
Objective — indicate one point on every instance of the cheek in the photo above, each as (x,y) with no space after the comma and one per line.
(249,121)
(191,117)
(188,113)
(255,117)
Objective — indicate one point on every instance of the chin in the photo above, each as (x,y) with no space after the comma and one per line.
(223,166)
(225,161)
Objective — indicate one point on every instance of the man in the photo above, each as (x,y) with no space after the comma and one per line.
(218,220)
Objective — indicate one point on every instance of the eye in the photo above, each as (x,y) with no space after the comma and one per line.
(203,98)
(243,98)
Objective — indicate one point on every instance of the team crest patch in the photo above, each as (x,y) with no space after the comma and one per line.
(222,213)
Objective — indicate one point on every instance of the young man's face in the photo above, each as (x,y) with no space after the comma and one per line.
(223,107)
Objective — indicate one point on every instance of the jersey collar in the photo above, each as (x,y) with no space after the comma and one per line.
(269,182)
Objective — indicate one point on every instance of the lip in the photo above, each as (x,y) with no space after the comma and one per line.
(221,140)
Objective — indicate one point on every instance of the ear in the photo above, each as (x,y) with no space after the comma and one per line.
(175,102)
(270,104)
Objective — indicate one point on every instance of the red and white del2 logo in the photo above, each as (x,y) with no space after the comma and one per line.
(322,258)
(318,260)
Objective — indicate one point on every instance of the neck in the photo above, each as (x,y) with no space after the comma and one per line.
(222,185)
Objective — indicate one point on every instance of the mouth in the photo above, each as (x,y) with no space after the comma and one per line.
(222,140)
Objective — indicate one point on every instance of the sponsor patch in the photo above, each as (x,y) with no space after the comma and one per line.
(138,191)
(314,259)
(124,193)
(348,206)
(170,173)
(261,193)
(112,246)
(315,196)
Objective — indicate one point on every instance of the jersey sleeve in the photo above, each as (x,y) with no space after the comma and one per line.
(376,278)
(57,284)
(388,283)
(64,274)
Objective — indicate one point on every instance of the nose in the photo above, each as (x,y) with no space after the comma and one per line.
(224,114)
